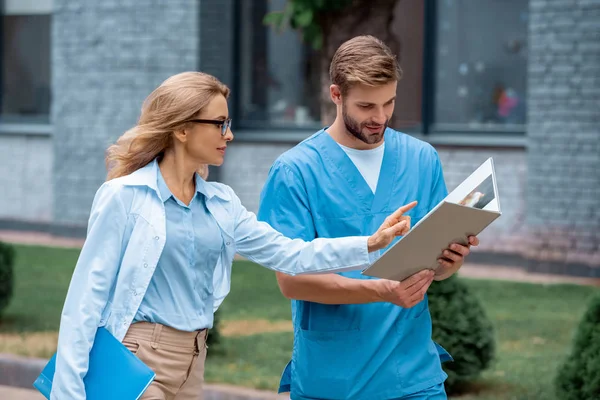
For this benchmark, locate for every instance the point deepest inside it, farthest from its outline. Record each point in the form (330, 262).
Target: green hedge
(214, 339)
(462, 327)
(7, 258)
(579, 376)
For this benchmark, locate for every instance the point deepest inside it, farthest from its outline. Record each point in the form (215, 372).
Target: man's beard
(355, 129)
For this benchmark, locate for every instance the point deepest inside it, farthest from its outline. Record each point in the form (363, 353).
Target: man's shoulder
(303, 154)
(412, 143)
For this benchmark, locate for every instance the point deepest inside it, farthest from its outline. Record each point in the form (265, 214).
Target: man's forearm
(329, 289)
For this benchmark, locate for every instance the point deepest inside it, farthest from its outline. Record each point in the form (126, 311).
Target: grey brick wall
(247, 166)
(26, 178)
(107, 56)
(563, 163)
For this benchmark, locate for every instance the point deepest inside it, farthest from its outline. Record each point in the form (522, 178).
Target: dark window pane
(279, 84)
(25, 62)
(481, 68)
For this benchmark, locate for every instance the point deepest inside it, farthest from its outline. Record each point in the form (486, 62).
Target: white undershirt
(368, 163)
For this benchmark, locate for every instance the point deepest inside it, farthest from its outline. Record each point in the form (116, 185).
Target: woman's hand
(394, 225)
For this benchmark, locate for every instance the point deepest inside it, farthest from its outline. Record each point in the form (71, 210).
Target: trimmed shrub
(214, 339)
(579, 376)
(461, 326)
(7, 258)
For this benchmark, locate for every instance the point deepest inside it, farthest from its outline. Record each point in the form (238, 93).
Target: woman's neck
(179, 175)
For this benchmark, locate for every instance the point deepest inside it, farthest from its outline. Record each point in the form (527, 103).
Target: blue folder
(114, 372)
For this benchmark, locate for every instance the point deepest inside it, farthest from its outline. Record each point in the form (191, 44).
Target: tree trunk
(362, 17)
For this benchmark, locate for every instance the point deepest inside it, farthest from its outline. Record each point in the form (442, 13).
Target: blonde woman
(157, 260)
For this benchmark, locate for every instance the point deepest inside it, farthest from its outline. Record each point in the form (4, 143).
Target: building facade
(516, 80)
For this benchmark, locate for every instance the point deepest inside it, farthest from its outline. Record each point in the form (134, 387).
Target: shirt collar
(163, 189)
(148, 176)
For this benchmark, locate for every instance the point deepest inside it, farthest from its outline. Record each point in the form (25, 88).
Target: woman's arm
(260, 243)
(88, 292)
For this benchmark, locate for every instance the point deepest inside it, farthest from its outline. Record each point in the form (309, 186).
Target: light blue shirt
(127, 232)
(180, 294)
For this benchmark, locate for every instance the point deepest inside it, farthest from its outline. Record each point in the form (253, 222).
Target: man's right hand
(407, 293)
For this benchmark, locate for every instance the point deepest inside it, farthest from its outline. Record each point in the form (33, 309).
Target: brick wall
(563, 193)
(107, 56)
(26, 178)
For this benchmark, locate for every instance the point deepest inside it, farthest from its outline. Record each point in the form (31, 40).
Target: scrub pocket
(321, 358)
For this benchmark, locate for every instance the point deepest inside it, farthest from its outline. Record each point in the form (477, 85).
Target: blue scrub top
(357, 351)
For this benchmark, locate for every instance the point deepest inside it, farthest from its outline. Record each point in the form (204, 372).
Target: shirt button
(228, 243)
(145, 265)
(135, 293)
(156, 238)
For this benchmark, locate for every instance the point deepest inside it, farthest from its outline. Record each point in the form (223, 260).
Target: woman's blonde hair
(166, 109)
(363, 60)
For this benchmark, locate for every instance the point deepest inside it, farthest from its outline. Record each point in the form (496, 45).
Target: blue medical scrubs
(375, 351)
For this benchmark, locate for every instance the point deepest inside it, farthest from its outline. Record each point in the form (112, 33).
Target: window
(464, 68)
(278, 73)
(481, 65)
(25, 83)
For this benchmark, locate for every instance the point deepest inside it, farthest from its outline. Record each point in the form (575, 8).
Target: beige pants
(175, 356)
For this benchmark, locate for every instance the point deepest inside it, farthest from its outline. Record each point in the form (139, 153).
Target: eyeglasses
(225, 124)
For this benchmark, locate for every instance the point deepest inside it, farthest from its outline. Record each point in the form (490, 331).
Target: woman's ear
(181, 135)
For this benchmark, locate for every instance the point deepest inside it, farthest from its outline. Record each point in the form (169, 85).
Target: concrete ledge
(517, 274)
(451, 139)
(26, 129)
(570, 269)
(63, 231)
(21, 372)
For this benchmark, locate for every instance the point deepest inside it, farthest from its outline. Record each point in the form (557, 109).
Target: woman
(157, 260)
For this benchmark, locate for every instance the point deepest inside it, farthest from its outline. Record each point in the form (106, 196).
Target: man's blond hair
(363, 60)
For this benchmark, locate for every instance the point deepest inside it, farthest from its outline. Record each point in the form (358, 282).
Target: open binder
(466, 211)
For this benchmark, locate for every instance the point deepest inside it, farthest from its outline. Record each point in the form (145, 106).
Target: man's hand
(453, 257)
(394, 225)
(407, 293)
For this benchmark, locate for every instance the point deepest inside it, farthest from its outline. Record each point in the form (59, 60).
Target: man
(357, 337)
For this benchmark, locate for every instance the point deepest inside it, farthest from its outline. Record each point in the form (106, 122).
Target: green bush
(579, 376)
(461, 326)
(213, 341)
(7, 257)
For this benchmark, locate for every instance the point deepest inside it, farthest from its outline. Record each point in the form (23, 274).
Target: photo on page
(481, 196)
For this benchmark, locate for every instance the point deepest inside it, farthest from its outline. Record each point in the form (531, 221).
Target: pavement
(211, 392)
(14, 393)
